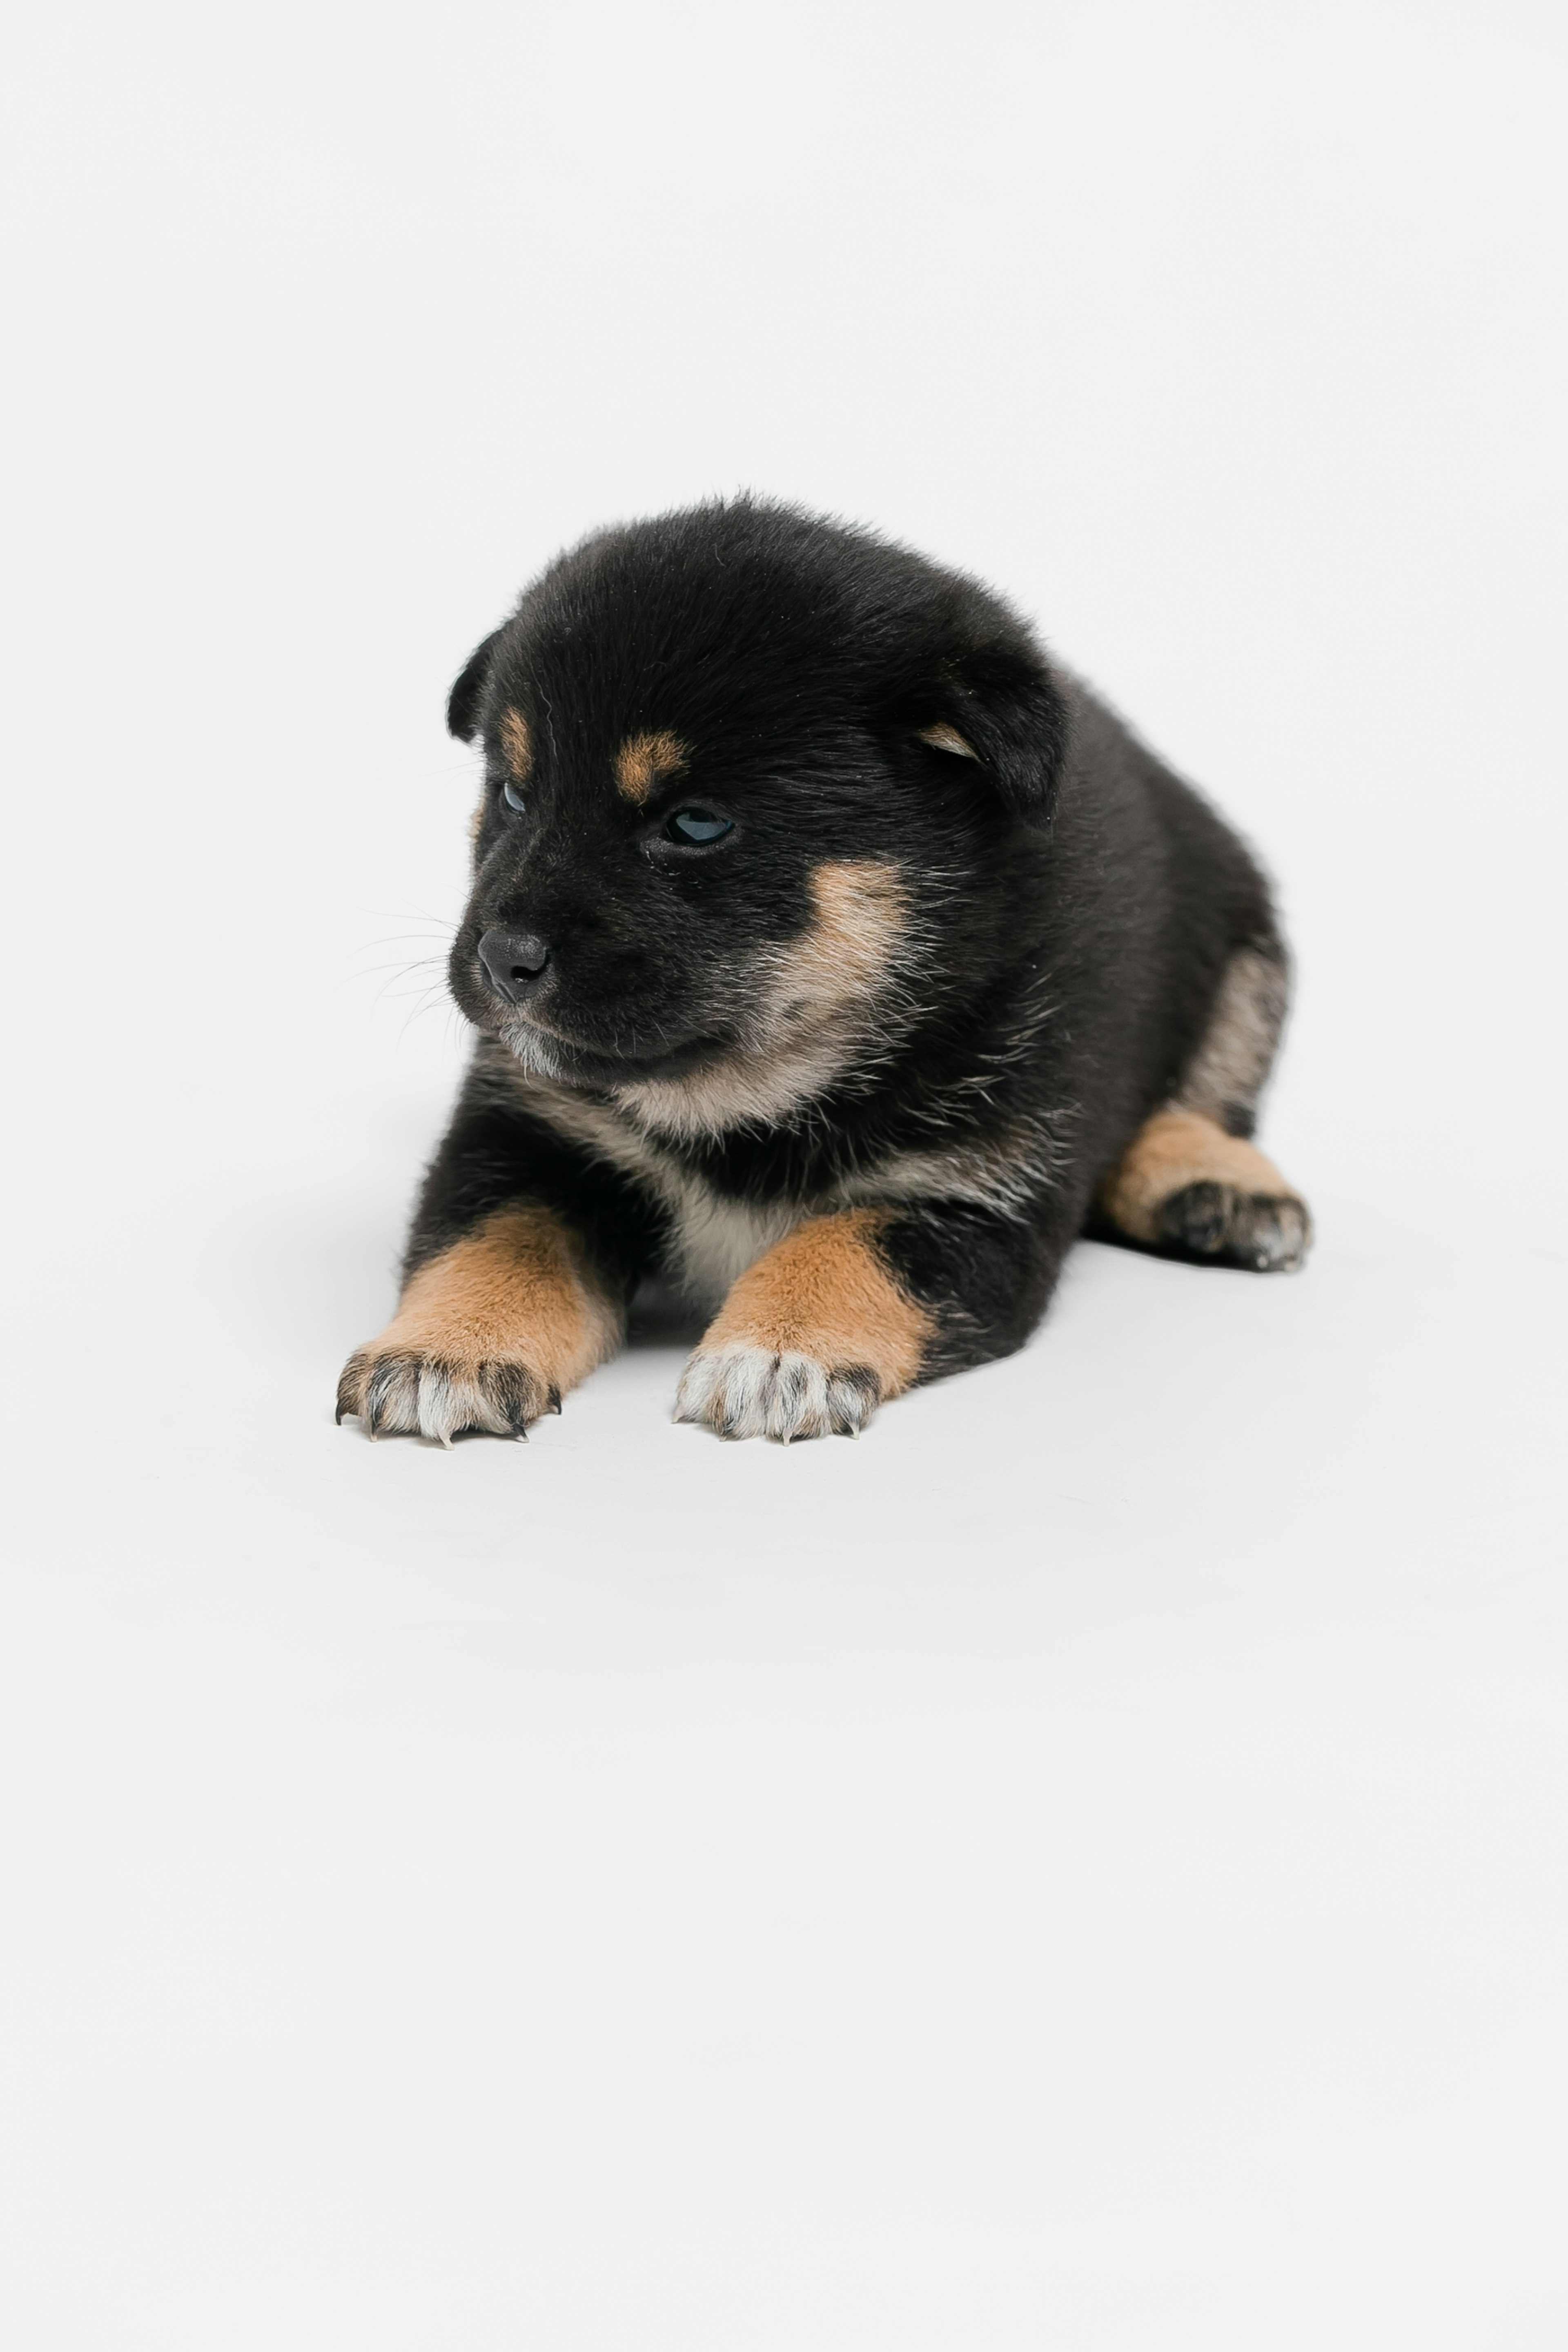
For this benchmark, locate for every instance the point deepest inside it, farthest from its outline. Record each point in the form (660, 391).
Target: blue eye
(512, 798)
(698, 826)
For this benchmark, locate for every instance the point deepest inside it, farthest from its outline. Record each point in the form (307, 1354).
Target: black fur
(1068, 910)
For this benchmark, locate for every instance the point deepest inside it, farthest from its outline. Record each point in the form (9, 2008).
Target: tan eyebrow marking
(943, 737)
(517, 743)
(643, 760)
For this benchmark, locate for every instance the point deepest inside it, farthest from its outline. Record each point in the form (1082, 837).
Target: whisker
(427, 1002)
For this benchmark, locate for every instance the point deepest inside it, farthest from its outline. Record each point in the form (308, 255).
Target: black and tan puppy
(833, 951)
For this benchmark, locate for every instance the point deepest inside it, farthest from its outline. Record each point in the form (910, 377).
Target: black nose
(515, 962)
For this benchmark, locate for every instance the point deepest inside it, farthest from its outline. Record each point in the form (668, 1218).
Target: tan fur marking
(943, 737)
(823, 1292)
(514, 1290)
(1228, 1070)
(517, 743)
(644, 761)
(819, 1004)
(859, 915)
(1170, 1152)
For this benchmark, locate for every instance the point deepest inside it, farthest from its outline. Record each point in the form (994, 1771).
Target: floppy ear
(463, 702)
(1002, 709)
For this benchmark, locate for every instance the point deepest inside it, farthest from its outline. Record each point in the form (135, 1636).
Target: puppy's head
(746, 776)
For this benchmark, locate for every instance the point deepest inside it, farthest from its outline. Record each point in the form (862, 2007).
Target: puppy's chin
(547, 1054)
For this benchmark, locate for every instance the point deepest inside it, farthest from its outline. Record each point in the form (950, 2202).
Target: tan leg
(488, 1336)
(1183, 1182)
(810, 1339)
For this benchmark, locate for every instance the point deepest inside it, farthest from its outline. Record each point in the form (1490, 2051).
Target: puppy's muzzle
(515, 962)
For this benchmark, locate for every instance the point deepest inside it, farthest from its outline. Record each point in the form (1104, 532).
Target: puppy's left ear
(1002, 709)
(463, 702)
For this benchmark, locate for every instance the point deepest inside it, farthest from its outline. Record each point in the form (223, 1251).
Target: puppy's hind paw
(747, 1392)
(1269, 1232)
(1185, 1184)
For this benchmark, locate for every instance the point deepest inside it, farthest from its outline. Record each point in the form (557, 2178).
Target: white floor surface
(1084, 1864)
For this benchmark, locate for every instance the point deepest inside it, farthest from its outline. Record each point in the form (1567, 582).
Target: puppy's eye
(698, 826)
(512, 798)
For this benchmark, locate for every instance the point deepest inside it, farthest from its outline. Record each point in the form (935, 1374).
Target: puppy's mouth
(593, 1048)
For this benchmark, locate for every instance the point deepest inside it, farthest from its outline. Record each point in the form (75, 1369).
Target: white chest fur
(712, 1239)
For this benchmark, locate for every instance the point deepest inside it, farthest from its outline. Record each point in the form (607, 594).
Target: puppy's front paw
(749, 1391)
(404, 1391)
(810, 1340)
(488, 1336)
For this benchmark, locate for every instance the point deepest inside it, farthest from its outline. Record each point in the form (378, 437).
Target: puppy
(833, 952)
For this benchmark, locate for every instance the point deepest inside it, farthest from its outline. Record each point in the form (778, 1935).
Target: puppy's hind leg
(1191, 1179)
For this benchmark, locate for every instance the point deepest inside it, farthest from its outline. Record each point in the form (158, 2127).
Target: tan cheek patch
(823, 1292)
(644, 761)
(514, 1290)
(818, 999)
(1171, 1151)
(859, 920)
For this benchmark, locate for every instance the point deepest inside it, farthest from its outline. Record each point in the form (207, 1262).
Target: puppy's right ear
(1004, 710)
(463, 702)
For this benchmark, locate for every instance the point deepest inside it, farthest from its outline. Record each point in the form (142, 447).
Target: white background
(1086, 1866)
